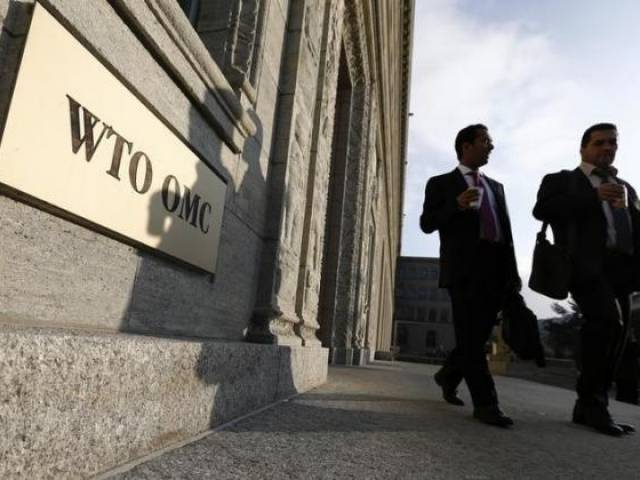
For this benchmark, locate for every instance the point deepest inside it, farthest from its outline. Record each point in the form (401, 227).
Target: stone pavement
(387, 421)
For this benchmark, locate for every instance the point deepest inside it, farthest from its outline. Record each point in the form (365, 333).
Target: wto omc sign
(79, 142)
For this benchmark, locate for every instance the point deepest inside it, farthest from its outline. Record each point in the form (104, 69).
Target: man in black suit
(477, 266)
(594, 215)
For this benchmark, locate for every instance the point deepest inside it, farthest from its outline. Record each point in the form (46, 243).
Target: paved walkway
(387, 421)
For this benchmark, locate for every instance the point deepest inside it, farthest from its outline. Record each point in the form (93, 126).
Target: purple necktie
(488, 229)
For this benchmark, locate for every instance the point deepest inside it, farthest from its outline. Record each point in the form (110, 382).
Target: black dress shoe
(626, 428)
(597, 417)
(492, 415)
(452, 398)
(450, 394)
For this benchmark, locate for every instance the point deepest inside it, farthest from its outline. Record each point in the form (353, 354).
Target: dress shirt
(487, 192)
(596, 181)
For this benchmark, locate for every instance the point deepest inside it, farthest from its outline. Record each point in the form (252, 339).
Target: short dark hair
(586, 136)
(467, 135)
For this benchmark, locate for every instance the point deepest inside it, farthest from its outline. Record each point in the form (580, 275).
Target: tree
(563, 331)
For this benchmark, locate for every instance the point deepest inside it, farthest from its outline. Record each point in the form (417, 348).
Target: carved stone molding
(365, 263)
(355, 44)
(233, 31)
(242, 41)
(270, 325)
(222, 109)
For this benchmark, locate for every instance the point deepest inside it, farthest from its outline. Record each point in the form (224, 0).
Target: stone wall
(74, 404)
(113, 351)
(270, 135)
(59, 274)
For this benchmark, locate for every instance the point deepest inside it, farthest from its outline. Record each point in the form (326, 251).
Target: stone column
(309, 279)
(367, 235)
(275, 314)
(348, 278)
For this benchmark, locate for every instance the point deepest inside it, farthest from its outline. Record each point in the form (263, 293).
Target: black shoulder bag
(551, 267)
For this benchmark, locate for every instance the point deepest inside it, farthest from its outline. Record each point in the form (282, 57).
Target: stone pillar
(335, 202)
(308, 295)
(367, 236)
(351, 233)
(275, 314)
(385, 334)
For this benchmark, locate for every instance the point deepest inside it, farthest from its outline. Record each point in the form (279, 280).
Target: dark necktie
(488, 228)
(624, 239)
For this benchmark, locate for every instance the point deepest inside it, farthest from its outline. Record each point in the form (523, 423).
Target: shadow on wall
(242, 385)
(12, 38)
(172, 299)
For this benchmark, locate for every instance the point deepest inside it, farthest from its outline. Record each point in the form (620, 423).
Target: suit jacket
(560, 207)
(460, 229)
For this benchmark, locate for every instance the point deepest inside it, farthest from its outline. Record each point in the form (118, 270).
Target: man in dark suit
(477, 266)
(594, 215)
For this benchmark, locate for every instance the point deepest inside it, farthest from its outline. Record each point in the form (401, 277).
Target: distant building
(423, 320)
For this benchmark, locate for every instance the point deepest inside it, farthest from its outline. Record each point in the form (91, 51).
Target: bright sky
(537, 73)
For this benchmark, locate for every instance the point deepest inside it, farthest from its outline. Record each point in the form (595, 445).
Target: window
(431, 339)
(444, 316)
(402, 334)
(433, 315)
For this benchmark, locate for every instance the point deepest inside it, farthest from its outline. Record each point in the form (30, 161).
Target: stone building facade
(423, 321)
(112, 345)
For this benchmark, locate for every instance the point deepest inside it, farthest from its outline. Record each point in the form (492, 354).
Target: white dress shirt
(596, 181)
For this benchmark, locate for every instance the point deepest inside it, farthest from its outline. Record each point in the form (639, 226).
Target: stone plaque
(79, 142)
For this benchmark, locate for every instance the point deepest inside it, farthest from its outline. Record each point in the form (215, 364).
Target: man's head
(599, 145)
(473, 146)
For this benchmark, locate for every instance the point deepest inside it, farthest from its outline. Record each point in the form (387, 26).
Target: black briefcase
(520, 330)
(551, 268)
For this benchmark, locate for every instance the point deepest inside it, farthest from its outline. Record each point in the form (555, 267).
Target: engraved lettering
(203, 210)
(133, 172)
(114, 171)
(89, 122)
(171, 207)
(189, 207)
(177, 199)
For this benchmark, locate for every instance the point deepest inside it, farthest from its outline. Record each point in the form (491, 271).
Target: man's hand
(610, 192)
(466, 198)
